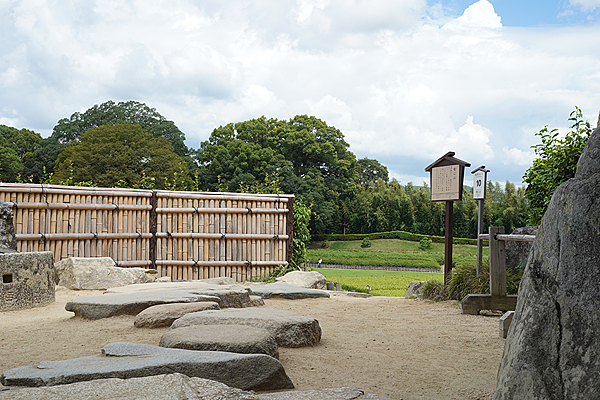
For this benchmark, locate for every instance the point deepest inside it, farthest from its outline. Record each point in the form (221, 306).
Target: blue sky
(406, 81)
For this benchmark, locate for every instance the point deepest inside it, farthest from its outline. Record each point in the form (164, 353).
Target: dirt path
(402, 349)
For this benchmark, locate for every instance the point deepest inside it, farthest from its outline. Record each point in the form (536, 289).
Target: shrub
(464, 280)
(425, 243)
(432, 290)
(366, 242)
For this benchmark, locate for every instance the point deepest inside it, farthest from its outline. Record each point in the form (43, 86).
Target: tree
(110, 153)
(10, 165)
(111, 113)
(555, 163)
(369, 171)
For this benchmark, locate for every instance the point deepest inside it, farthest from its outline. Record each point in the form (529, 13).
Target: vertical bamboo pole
(222, 242)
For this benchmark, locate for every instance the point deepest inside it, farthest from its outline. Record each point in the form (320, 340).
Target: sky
(406, 81)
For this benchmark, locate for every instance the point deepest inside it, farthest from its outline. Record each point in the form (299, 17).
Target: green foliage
(278, 272)
(350, 257)
(555, 163)
(111, 153)
(425, 243)
(302, 213)
(366, 242)
(432, 290)
(10, 165)
(464, 280)
(414, 237)
(370, 171)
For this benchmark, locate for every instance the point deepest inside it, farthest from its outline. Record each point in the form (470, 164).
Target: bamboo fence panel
(184, 235)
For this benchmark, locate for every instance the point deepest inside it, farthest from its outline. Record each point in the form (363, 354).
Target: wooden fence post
(152, 225)
(290, 230)
(497, 262)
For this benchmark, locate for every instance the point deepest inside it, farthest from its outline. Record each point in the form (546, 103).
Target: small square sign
(479, 185)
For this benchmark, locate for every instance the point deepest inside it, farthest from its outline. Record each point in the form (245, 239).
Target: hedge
(413, 237)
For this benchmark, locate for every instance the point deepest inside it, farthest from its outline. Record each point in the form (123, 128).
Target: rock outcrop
(99, 273)
(552, 349)
(26, 280)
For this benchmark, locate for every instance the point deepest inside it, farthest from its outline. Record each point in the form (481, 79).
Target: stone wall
(26, 280)
(8, 239)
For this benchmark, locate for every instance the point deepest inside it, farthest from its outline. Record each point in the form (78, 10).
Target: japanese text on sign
(479, 185)
(445, 183)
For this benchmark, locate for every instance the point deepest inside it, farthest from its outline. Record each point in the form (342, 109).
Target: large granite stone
(112, 304)
(8, 240)
(26, 280)
(232, 338)
(287, 291)
(158, 387)
(99, 273)
(552, 349)
(289, 328)
(310, 280)
(165, 314)
(131, 360)
(517, 253)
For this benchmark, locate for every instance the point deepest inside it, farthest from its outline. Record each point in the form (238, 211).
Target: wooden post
(153, 222)
(479, 241)
(497, 261)
(448, 241)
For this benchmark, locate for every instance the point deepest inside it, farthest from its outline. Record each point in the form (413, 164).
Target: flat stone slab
(289, 328)
(158, 387)
(112, 304)
(232, 338)
(132, 360)
(344, 393)
(287, 291)
(165, 314)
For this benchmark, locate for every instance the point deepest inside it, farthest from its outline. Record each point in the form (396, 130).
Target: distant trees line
(129, 144)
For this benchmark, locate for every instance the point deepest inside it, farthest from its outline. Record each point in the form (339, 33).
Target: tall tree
(110, 153)
(111, 113)
(369, 171)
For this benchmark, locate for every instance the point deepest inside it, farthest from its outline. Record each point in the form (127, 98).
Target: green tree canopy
(555, 163)
(111, 113)
(110, 153)
(369, 171)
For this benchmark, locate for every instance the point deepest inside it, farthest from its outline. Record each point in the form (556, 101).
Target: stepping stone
(132, 360)
(164, 314)
(157, 387)
(287, 291)
(344, 393)
(290, 329)
(112, 304)
(232, 338)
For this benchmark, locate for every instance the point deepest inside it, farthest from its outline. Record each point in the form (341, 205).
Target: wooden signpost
(447, 176)
(479, 189)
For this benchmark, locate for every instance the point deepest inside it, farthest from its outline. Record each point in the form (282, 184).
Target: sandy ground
(398, 348)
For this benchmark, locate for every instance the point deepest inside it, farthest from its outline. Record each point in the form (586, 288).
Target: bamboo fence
(184, 235)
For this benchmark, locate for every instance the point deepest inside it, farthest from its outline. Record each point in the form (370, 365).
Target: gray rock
(132, 360)
(413, 289)
(158, 387)
(230, 295)
(112, 304)
(345, 393)
(287, 291)
(310, 280)
(232, 338)
(8, 240)
(290, 329)
(26, 280)
(99, 273)
(255, 301)
(517, 253)
(552, 349)
(165, 314)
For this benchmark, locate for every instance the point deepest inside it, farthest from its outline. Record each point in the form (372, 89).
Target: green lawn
(389, 252)
(382, 283)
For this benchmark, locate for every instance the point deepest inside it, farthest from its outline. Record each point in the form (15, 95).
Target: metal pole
(448, 241)
(479, 241)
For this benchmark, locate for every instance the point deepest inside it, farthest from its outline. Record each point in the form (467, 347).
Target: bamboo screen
(184, 235)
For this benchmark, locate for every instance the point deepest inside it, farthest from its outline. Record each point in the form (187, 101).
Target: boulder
(290, 329)
(552, 349)
(26, 280)
(310, 280)
(517, 253)
(164, 314)
(132, 360)
(287, 291)
(232, 338)
(8, 240)
(99, 273)
(157, 387)
(413, 289)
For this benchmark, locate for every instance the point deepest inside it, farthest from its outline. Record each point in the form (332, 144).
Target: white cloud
(586, 5)
(517, 156)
